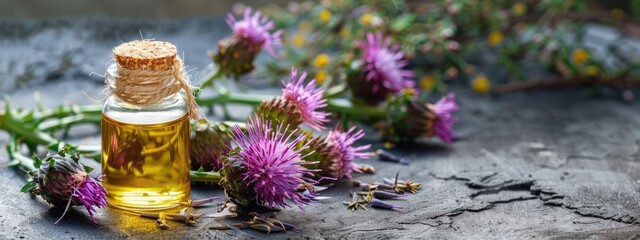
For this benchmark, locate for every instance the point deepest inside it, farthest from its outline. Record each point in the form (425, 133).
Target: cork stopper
(145, 55)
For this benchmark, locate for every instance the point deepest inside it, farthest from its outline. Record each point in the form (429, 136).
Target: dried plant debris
(389, 157)
(356, 202)
(201, 202)
(389, 189)
(266, 223)
(185, 216)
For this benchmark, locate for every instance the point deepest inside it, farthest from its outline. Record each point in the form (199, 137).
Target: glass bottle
(145, 147)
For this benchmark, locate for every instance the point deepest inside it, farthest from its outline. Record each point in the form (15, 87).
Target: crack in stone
(546, 195)
(508, 185)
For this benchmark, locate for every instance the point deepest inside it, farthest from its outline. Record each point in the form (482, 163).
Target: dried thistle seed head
(280, 110)
(62, 181)
(209, 142)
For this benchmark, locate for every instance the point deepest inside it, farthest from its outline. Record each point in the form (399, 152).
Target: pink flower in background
(255, 29)
(384, 65)
(443, 124)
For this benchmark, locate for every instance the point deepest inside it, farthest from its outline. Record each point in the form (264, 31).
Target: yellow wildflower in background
(325, 16)
(495, 38)
(298, 39)
(593, 70)
(345, 32)
(427, 82)
(321, 60)
(320, 77)
(617, 13)
(519, 9)
(580, 56)
(305, 26)
(365, 19)
(480, 84)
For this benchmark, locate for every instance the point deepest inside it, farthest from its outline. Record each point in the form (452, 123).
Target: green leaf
(88, 169)
(13, 163)
(37, 162)
(28, 187)
(401, 23)
(52, 163)
(75, 157)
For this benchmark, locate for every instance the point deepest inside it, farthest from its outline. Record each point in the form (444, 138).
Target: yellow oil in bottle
(146, 166)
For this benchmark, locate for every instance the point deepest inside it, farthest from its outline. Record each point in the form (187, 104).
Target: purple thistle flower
(342, 143)
(411, 117)
(383, 65)
(63, 182)
(443, 124)
(272, 162)
(91, 195)
(255, 30)
(308, 98)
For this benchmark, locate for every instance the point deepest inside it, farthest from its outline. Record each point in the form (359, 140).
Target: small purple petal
(382, 204)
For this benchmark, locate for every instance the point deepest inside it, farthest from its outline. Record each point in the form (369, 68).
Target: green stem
(333, 105)
(33, 136)
(238, 98)
(25, 162)
(68, 111)
(359, 112)
(208, 177)
(53, 125)
(208, 80)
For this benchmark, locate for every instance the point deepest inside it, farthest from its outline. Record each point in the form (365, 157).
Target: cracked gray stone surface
(528, 165)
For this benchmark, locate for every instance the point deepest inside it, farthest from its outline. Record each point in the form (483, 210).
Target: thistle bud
(280, 110)
(234, 57)
(209, 142)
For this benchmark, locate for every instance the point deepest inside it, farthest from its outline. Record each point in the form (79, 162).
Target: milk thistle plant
(276, 158)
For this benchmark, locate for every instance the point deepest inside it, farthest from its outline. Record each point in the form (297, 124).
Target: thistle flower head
(307, 98)
(411, 117)
(333, 154)
(209, 143)
(383, 67)
(443, 124)
(255, 29)
(63, 182)
(269, 163)
(343, 142)
(237, 52)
